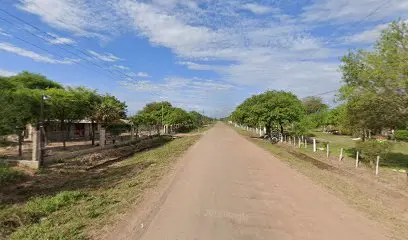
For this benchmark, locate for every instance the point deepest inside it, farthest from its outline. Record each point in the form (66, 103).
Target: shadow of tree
(395, 160)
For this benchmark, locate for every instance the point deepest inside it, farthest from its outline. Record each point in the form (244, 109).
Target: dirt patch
(375, 198)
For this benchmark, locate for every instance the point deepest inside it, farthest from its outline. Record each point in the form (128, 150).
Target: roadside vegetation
(86, 202)
(71, 197)
(9, 175)
(372, 105)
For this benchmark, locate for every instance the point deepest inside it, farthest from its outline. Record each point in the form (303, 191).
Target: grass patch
(74, 214)
(397, 158)
(355, 193)
(9, 175)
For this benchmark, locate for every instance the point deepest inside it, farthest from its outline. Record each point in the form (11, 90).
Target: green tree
(314, 105)
(109, 110)
(376, 82)
(269, 109)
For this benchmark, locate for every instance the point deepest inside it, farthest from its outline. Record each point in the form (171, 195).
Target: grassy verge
(72, 214)
(397, 159)
(375, 205)
(9, 175)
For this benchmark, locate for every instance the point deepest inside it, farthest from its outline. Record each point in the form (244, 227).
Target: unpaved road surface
(231, 189)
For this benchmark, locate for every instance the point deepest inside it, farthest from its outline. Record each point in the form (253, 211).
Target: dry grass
(373, 200)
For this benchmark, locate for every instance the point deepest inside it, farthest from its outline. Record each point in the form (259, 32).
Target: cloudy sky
(204, 55)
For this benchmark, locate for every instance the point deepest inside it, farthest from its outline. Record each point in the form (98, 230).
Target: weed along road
(231, 189)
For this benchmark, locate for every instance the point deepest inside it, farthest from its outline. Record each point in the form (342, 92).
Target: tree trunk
(93, 132)
(69, 126)
(20, 143)
(281, 127)
(63, 133)
(137, 132)
(268, 129)
(158, 129)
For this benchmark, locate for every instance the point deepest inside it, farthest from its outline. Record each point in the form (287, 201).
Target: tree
(268, 109)
(177, 116)
(376, 83)
(109, 110)
(34, 81)
(156, 113)
(314, 105)
(20, 96)
(60, 104)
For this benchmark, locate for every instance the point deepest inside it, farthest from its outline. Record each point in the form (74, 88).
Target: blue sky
(203, 55)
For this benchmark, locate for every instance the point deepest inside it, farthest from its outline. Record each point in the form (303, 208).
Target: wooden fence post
(341, 154)
(328, 151)
(357, 159)
(377, 166)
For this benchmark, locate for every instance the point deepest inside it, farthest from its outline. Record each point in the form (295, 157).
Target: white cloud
(7, 47)
(368, 36)
(106, 57)
(121, 67)
(194, 89)
(55, 39)
(3, 33)
(5, 73)
(197, 66)
(343, 11)
(138, 74)
(81, 17)
(256, 8)
(142, 74)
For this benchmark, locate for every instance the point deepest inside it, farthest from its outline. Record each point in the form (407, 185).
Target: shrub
(373, 148)
(401, 135)
(8, 175)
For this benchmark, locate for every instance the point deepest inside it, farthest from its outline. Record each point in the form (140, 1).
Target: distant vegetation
(374, 96)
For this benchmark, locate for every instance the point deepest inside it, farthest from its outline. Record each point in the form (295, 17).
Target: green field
(398, 158)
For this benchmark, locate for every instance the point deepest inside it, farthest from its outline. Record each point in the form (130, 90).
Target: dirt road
(231, 189)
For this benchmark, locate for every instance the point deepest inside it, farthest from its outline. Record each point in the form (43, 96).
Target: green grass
(398, 158)
(8, 175)
(73, 214)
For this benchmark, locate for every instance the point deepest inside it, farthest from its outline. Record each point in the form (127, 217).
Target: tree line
(23, 95)
(158, 114)
(373, 98)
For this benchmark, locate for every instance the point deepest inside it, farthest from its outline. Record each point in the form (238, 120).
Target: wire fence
(344, 159)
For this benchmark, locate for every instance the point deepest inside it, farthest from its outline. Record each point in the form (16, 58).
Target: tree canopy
(376, 82)
(269, 109)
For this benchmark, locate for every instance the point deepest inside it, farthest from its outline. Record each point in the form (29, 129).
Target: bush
(401, 135)
(373, 148)
(8, 175)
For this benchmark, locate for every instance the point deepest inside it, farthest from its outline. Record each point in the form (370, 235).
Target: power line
(49, 52)
(66, 44)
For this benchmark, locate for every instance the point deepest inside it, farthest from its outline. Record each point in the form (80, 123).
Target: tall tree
(269, 109)
(376, 82)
